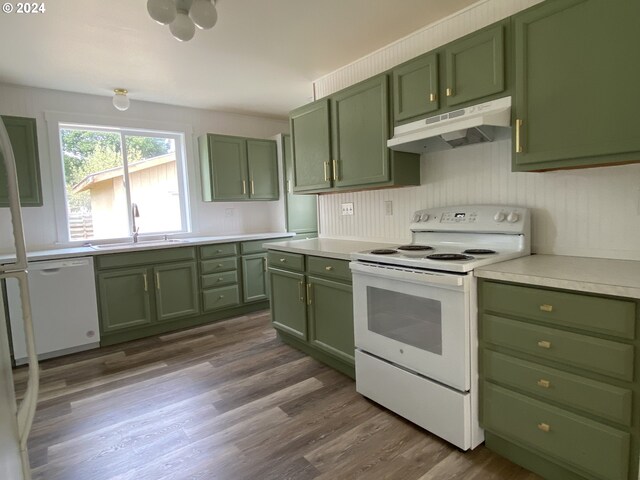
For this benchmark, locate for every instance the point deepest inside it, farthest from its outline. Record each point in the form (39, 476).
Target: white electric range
(415, 315)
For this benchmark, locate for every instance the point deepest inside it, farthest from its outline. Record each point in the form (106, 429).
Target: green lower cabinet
(255, 280)
(331, 317)
(176, 290)
(288, 302)
(125, 300)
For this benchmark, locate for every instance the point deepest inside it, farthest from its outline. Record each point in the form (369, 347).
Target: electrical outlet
(388, 207)
(347, 208)
(228, 212)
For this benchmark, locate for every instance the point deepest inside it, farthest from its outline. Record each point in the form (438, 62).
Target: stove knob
(513, 217)
(424, 217)
(416, 218)
(499, 217)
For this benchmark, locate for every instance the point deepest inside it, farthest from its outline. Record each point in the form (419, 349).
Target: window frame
(179, 133)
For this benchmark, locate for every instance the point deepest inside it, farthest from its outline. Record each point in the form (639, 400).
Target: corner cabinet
(312, 306)
(559, 380)
(24, 142)
(238, 168)
(340, 143)
(576, 85)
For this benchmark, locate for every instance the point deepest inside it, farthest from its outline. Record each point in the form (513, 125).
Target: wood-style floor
(227, 401)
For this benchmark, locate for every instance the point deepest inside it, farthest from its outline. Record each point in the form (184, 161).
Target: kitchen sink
(140, 244)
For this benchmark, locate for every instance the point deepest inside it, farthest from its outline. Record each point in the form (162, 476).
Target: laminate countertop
(594, 275)
(326, 247)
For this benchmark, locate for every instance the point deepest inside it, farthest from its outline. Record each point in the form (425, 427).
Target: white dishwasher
(64, 308)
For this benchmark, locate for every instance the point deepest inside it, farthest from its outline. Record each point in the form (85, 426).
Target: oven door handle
(423, 277)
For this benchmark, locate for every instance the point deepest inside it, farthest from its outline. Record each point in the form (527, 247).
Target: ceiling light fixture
(183, 16)
(120, 99)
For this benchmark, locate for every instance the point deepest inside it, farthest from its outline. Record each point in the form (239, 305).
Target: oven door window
(411, 320)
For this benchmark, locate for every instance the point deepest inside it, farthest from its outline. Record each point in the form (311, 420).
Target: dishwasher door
(64, 308)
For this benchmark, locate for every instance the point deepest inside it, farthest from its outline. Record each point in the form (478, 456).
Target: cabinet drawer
(586, 445)
(601, 399)
(255, 246)
(220, 297)
(218, 250)
(219, 265)
(290, 261)
(218, 279)
(329, 267)
(597, 314)
(593, 354)
(145, 257)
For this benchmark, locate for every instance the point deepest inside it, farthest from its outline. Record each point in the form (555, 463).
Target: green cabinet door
(576, 84)
(301, 210)
(124, 299)
(475, 66)
(331, 317)
(311, 147)
(227, 159)
(288, 302)
(24, 142)
(255, 280)
(415, 88)
(360, 130)
(262, 160)
(176, 290)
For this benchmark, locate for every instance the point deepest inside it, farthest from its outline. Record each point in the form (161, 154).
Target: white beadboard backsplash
(588, 212)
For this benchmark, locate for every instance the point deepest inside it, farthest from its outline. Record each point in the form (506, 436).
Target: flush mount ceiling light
(183, 16)
(120, 99)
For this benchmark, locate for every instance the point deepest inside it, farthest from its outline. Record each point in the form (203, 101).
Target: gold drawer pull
(301, 291)
(221, 296)
(432, 97)
(329, 268)
(449, 92)
(546, 308)
(220, 279)
(283, 260)
(544, 344)
(544, 427)
(544, 383)
(218, 251)
(220, 265)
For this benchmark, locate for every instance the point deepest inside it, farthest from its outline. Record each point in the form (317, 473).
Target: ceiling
(260, 58)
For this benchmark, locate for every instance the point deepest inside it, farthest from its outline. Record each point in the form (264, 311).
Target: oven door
(419, 320)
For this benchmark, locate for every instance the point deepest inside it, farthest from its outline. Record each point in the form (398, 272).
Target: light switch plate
(347, 208)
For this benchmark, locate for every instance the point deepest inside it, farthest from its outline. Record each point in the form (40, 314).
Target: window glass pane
(96, 198)
(154, 185)
(411, 320)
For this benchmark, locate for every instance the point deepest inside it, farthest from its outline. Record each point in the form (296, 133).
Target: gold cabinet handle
(308, 293)
(146, 283)
(253, 190)
(518, 141)
(244, 187)
(432, 97)
(283, 260)
(264, 264)
(449, 92)
(326, 168)
(329, 268)
(158, 280)
(546, 308)
(543, 383)
(288, 186)
(544, 344)
(301, 291)
(544, 427)
(219, 265)
(335, 170)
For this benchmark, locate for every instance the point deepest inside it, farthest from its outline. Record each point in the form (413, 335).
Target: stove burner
(384, 251)
(415, 248)
(479, 251)
(449, 256)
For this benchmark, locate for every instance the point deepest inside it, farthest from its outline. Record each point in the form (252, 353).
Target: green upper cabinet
(24, 141)
(475, 66)
(576, 84)
(340, 144)
(238, 168)
(311, 147)
(360, 129)
(176, 290)
(301, 210)
(415, 88)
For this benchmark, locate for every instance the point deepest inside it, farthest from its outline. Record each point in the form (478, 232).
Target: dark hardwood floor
(227, 401)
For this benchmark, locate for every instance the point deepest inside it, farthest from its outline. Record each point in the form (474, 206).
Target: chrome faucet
(135, 213)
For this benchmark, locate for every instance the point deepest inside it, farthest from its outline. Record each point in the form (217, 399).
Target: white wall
(207, 218)
(587, 212)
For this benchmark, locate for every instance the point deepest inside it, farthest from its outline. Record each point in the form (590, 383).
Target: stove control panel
(459, 217)
(473, 219)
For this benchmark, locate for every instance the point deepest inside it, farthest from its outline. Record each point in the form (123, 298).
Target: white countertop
(327, 247)
(71, 252)
(593, 275)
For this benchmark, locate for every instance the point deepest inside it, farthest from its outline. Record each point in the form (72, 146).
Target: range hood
(475, 124)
